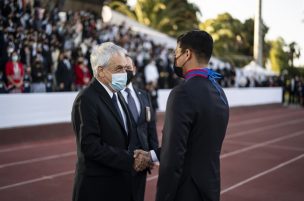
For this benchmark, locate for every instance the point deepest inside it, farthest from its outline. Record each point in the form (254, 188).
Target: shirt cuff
(153, 156)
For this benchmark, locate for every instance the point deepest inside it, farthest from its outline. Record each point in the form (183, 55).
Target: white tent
(253, 69)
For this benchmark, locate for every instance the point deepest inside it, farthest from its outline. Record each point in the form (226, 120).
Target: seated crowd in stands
(44, 51)
(47, 50)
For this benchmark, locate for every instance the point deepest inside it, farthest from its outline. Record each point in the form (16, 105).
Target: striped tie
(132, 105)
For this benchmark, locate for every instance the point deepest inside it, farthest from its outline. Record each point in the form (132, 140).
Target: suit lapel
(104, 96)
(126, 110)
(142, 118)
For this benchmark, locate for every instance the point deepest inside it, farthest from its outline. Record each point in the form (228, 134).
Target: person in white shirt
(151, 72)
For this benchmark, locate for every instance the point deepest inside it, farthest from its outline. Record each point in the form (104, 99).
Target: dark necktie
(132, 105)
(114, 100)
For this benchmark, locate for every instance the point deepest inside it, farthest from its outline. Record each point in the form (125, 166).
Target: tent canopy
(253, 69)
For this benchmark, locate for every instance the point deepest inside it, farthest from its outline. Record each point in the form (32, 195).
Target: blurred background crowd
(45, 50)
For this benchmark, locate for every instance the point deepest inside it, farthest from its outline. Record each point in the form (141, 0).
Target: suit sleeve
(178, 123)
(91, 143)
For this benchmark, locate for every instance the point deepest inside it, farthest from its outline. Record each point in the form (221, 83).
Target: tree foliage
(171, 17)
(233, 40)
(278, 56)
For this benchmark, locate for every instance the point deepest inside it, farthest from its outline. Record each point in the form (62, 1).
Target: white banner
(48, 108)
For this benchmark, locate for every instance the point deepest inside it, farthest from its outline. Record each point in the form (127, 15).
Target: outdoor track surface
(262, 158)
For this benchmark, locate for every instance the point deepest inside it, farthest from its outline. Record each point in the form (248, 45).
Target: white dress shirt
(134, 95)
(137, 103)
(119, 105)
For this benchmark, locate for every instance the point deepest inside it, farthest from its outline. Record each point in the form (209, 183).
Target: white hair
(101, 55)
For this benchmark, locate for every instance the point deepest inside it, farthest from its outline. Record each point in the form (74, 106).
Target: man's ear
(188, 53)
(101, 72)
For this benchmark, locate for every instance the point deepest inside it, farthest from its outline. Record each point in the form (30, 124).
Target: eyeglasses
(119, 68)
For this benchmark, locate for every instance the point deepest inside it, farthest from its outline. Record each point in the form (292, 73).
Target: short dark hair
(200, 42)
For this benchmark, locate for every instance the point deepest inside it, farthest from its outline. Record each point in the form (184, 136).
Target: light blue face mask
(15, 58)
(119, 81)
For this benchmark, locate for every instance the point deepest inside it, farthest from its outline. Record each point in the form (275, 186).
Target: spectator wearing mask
(15, 73)
(151, 72)
(38, 77)
(64, 73)
(82, 74)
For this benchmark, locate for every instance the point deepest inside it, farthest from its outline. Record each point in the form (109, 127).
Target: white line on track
(223, 156)
(262, 144)
(22, 147)
(263, 128)
(38, 179)
(246, 122)
(263, 119)
(53, 176)
(286, 148)
(156, 176)
(254, 146)
(270, 146)
(262, 174)
(34, 160)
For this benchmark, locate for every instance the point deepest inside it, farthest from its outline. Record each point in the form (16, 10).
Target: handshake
(142, 160)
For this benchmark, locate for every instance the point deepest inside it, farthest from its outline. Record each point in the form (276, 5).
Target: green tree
(293, 53)
(171, 17)
(278, 56)
(226, 33)
(233, 40)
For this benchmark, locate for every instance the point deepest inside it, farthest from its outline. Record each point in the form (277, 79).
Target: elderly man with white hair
(101, 124)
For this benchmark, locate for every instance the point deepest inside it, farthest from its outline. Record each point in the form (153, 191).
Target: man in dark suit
(143, 119)
(196, 119)
(103, 131)
(64, 73)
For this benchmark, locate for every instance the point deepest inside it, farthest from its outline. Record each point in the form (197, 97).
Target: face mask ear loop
(109, 84)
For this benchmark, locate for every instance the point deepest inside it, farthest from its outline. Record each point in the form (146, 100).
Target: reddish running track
(262, 158)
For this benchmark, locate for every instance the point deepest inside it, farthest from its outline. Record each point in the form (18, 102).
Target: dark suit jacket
(144, 138)
(104, 163)
(65, 75)
(146, 126)
(195, 125)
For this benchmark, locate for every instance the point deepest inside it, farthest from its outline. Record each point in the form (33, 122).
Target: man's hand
(142, 160)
